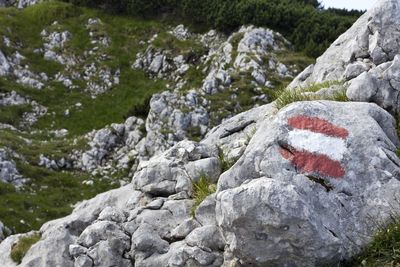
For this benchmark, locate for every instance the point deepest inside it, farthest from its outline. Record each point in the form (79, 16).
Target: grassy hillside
(49, 194)
(309, 27)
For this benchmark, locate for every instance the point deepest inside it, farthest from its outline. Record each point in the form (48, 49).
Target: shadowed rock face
(366, 56)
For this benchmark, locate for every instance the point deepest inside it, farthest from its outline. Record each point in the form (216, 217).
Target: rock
(102, 230)
(5, 67)
(172, 119)
(112, 214)
(354, 70)
(77, 250)
(4, 231)
(114, 143)
(379, 85)
(370, 45)
(209, 168)
(8, 170)
(26, 3)
(205, 212)
(180, 32)
(275, 204)
(181, 231)
(233, 143)
(147, 241)
(206, 237)
(83, 261)
(12, 99)
(257, 40)
(109, 253)
(58, 235)
(167, 174)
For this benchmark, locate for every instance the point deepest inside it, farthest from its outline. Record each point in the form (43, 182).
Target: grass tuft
(19, 250)
(202, 189)
(225, 162)
(286, 97)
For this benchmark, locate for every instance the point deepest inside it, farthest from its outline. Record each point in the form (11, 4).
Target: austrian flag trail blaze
(316, 146)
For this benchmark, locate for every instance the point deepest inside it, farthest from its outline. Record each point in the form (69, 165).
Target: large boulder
(366, 56)
(312, 186)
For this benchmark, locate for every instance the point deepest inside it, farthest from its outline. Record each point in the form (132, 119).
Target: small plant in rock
(202, 189)
(225, 162)
(287, 97)
(19, 250)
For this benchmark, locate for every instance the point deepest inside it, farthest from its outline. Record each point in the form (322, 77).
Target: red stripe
(313, 163)
(318, 125)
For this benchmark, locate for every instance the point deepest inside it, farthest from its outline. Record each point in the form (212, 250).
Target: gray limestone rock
(312, 159)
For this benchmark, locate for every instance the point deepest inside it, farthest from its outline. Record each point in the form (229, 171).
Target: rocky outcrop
(4, 231)
(249, 54)
(366, 56)
(254, 54)
(111, 149)
(306, 190)
(5, 67)
(172, 118)
(18, 3)
(310, 188)
(8, 170)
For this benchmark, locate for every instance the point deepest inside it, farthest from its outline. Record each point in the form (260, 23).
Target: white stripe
(305, 140)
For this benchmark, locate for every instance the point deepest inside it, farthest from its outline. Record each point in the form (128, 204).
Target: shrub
(19, 250)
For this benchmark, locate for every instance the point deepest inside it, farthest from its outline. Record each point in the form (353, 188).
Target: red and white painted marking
(316, 146)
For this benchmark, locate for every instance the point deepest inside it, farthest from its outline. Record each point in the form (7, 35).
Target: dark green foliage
(141, 110)
(304, 22)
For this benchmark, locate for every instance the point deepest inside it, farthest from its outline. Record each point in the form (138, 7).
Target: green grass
(19, 250)
(13, 114)
(47, 196)
(384, 251)
(134, 89)
(295, 58)
(50, 194)
(225, 162)
(202, 189)
(286, 97)
(189, 48)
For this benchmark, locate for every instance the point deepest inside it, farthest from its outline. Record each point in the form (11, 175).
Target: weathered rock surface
(310, 188)
(5, 67)
(366, 56)
(111, 149)
(312, 185)
(8, 170)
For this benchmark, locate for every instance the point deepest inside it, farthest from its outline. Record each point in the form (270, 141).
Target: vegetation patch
(19, 249)
(202, 189)
(225, 162)
(383, 251)
(286, 97)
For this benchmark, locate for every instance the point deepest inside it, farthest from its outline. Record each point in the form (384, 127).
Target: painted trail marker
(316, 146)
